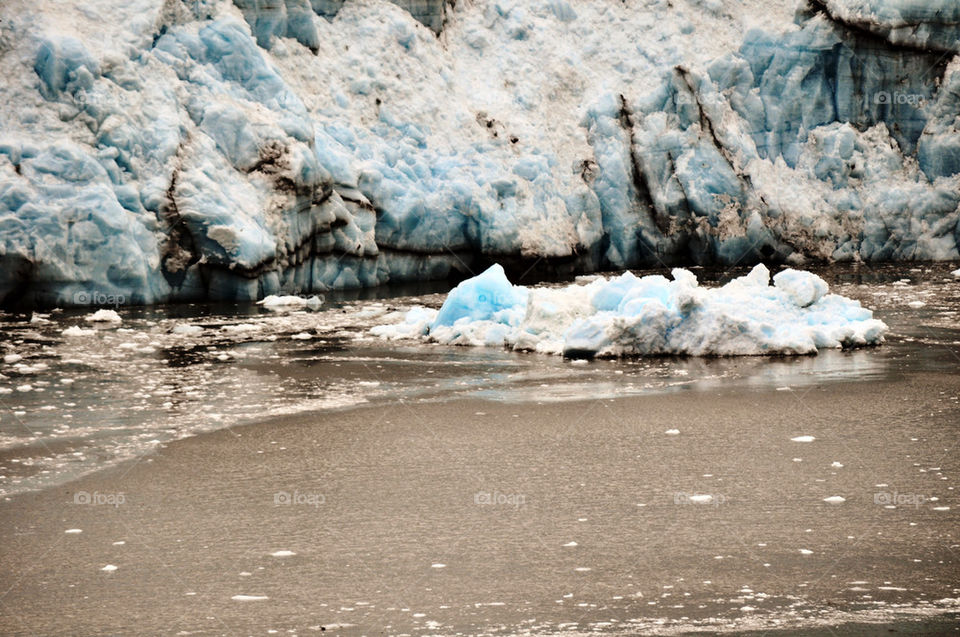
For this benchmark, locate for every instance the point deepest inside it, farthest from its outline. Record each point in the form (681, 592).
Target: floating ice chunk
(414, 323)
(956, 274)
(302, 336)
(282, 553)
(73, 531)
(76, 330)
(290, 302)
(835, 499)
(484, 297)
(631, 316)
(803, 439)
(571, 544)
(806, 552)
(109, 568)
(672, 432)
(12, 358)
(438, 565)
(249, 598)
(241, 328)
(917, 304)
(103, 316)
(803, 288)
(187, 330)
(836, 465)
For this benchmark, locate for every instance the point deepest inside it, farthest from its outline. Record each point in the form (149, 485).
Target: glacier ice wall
(160, 150)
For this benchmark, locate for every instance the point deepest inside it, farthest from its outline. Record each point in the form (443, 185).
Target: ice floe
(651, 315)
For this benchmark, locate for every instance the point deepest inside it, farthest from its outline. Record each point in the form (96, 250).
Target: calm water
(72, 404)
(513, 513)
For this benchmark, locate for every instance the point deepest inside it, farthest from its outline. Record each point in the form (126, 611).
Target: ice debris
(640, 316)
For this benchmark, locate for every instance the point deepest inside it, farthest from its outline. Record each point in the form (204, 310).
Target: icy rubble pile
(651, 315)
(161, 150)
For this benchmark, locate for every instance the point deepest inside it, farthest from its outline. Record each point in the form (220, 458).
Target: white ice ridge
(651, 315)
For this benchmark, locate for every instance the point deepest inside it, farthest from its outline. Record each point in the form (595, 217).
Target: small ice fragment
(941, 508)
(302, 336)
(438, 565)
(120, 543)
(916, 304)
(282, 553)
(835, 499)
(571, 544)
(109, 568)
(274, 302)
(836, 465)
(74, 531)
(701, 499)
(583, 569)
(76, 330)
(784, 388)
(103, 316)
(12, 358)
(187, 330)
(579, 361)
(249, 598)
(803, 439)
(806, 552)
(672, 432)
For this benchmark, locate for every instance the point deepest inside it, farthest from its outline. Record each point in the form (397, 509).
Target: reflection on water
(69, 404)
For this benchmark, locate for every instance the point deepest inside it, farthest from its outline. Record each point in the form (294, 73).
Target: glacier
(645, 316)
(178, 150)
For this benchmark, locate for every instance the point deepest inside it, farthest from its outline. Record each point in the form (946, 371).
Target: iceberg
(645, 316)
(171, 150)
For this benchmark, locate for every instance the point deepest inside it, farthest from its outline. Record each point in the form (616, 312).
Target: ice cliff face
(187, 149)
